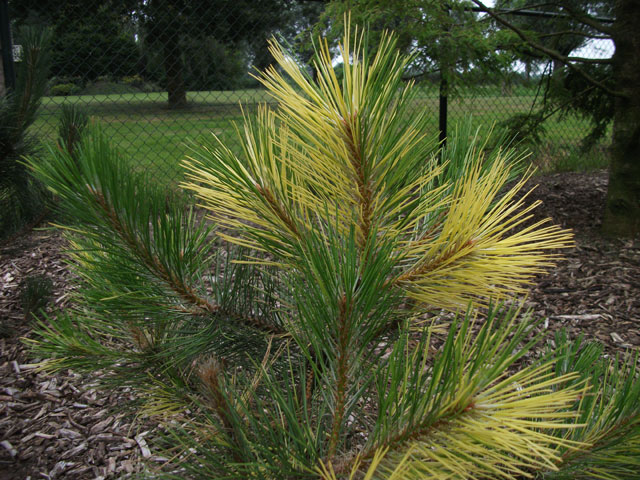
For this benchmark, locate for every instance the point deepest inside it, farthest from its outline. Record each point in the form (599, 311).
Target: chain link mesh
(160, 74)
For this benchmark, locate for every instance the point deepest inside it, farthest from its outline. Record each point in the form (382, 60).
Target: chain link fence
(160, 74)
(523, 102)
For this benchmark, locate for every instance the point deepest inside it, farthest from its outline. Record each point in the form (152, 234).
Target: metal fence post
(444, 89)
(7, 47)
(442, 111)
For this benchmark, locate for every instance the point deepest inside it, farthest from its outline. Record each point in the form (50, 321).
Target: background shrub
(64, 90)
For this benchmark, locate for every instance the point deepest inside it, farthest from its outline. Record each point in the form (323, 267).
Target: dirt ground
(62, 427)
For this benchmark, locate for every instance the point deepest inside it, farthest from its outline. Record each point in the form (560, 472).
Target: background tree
(604, 89)
(183, 45)
(238, 28)
(562, 89)
(555, 31)
(90, 39)
(447, 38)
(293, 26)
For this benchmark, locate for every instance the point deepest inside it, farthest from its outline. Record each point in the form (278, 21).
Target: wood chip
(7, 446)
(75, 451)
(100, 426)
(68, 433)
(616, 338)
(142, 443)
(59, 468)
(586, 316)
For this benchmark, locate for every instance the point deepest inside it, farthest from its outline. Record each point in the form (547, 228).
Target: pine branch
(101, 190)
(152, 262)
(365, 193)
(610, 412)
(554, 54)
(342, 362)
(466, 398)
(587, 19)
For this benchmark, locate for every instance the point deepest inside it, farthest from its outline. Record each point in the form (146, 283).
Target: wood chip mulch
(61, 427)
(55, 426)
(595, 289)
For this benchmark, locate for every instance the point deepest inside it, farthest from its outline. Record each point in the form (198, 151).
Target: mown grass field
(156, 138)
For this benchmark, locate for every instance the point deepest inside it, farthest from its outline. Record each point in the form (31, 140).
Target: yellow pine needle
(501, 433)
(160, 401)
(316, 161)
(327, 472)
(472, 257)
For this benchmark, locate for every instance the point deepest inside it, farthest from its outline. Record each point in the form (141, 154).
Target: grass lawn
(146, 131)
(156, 138)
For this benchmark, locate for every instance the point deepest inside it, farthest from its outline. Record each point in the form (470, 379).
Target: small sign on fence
(17, 53)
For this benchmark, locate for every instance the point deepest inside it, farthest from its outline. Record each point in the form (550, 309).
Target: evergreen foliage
(73, 121)
(35, 294)
(21, 198)
(293, 340)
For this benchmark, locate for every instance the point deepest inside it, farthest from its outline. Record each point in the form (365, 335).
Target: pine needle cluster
(21, 198)
(290, 340)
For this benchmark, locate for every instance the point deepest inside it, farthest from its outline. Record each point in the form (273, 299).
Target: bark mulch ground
(62, 427)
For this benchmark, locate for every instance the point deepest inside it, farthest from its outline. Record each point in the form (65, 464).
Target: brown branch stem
(574, 32)
(278, 210)
(341, 386)
(152, 262)
(365, 193)
(185, 292)
(547, 51)
(433, 264)
(210, 376)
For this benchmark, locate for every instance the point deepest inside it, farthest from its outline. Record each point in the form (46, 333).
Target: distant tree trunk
(2, 87)
(173, 71)
(262, 57)
(622, 213)
(163, 27)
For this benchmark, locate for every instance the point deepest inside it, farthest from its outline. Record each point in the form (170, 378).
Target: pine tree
(21, 198)
(295, 338)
